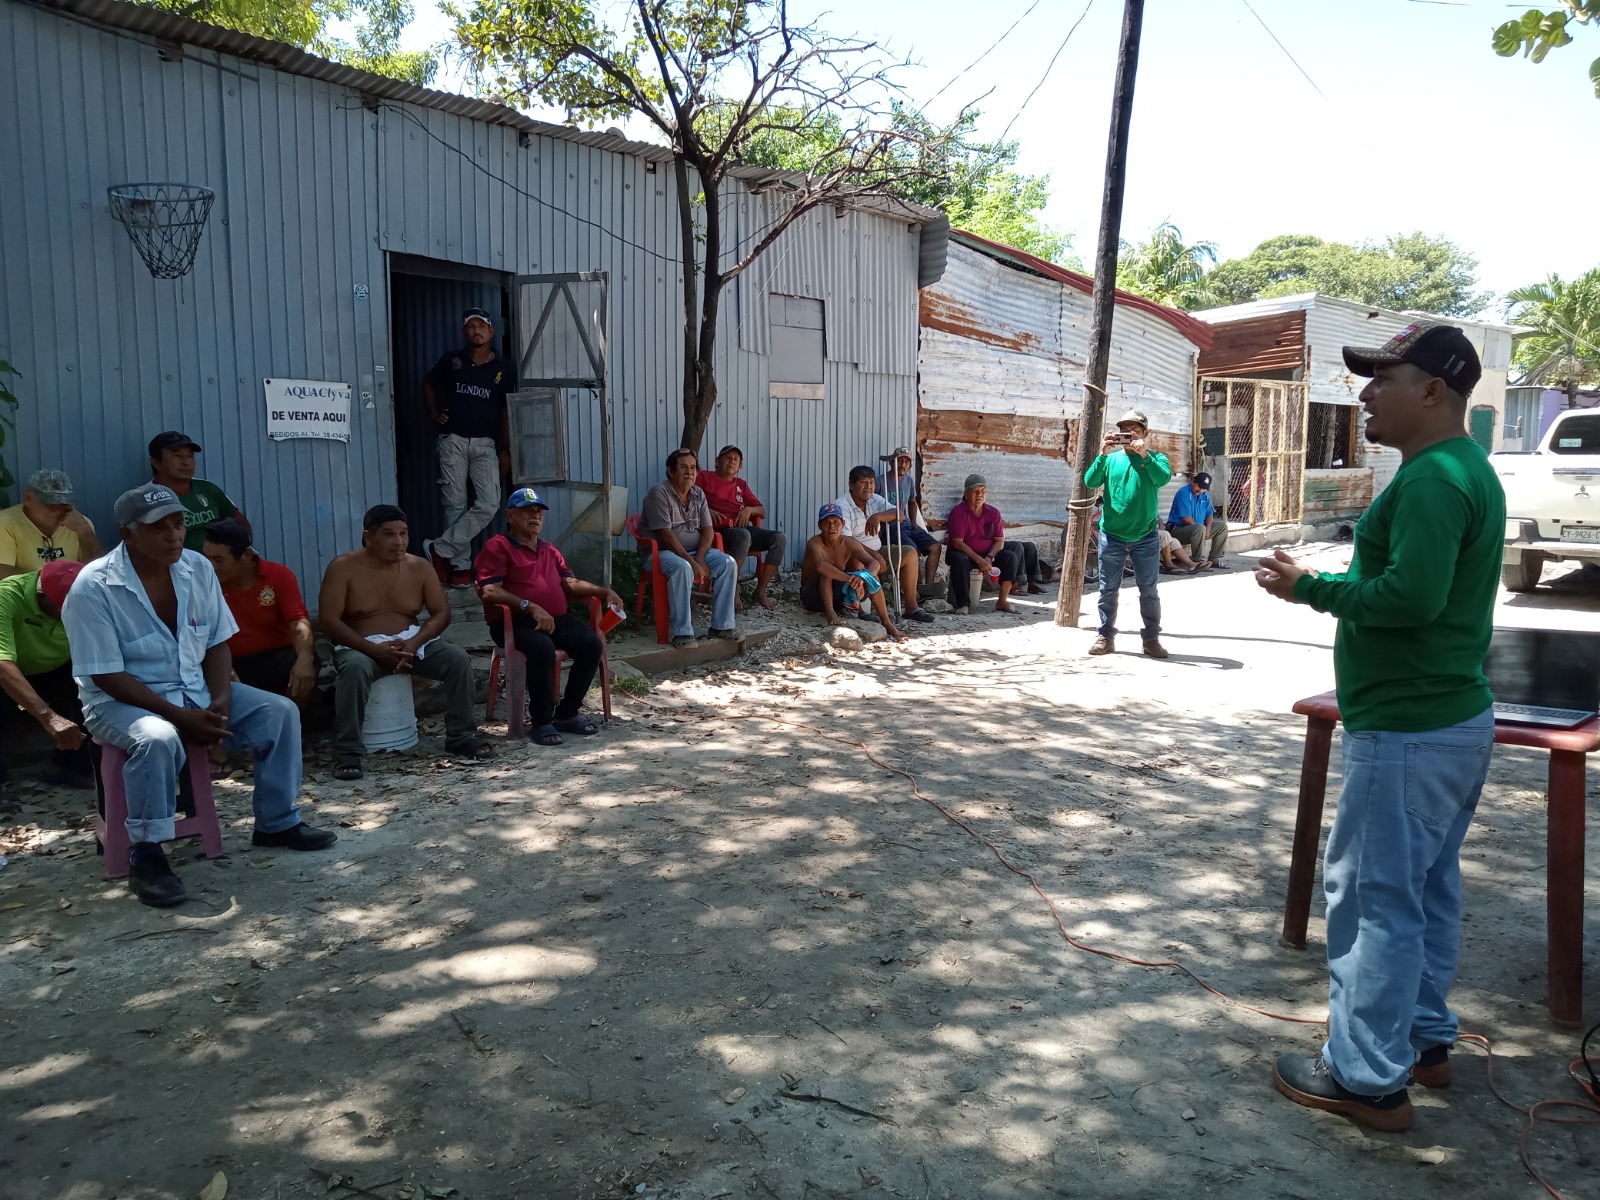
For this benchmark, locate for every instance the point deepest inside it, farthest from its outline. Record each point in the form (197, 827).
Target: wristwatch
(523, 606)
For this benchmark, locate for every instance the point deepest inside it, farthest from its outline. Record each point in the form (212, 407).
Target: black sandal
(545, 735)
(473, 748)
(349, 770)
(580, 725)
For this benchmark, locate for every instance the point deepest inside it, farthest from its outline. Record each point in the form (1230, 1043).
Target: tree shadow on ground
(719, 952)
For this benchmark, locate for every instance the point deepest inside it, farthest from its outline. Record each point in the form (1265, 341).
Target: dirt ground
(717, 952)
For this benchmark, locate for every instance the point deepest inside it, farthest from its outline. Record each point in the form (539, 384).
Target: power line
(1303, 72)
(1050, 67)
(993, 46)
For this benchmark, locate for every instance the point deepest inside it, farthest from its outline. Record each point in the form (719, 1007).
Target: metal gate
(1252, 433)
(561, 412)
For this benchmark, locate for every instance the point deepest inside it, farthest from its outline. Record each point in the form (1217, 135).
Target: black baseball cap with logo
(172, 440)
(1443, 351)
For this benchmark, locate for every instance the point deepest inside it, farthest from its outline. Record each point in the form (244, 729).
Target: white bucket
(391, 722)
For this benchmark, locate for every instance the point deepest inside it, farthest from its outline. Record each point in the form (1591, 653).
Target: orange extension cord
(1531, 1115)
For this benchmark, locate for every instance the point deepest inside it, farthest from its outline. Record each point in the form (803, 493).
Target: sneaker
(151, 878)
(1218, 565)
(727, 635)
(298, 837)
(1103, 645)
(920, 614)
(1432, 1068)
(682, 641)
(1304, 1078)
(1155, 649)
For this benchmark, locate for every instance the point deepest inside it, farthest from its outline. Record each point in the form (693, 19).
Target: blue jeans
(1146, 556)
(680, 588)
(1392, 874)
(267, 724)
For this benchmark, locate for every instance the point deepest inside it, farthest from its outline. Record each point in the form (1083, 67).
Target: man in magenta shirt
(531, 578)
(734, 509)
(975, 539)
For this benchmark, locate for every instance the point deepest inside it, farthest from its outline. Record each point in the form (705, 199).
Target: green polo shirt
(35, 642)
(1416, 606)
(203, 503)
(1132, 486)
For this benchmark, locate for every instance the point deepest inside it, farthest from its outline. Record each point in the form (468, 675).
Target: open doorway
(426, 299)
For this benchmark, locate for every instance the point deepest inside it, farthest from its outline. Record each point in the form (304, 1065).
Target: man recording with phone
(1132, 475)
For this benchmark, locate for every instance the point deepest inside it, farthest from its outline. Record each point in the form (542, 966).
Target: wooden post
(1080, 515)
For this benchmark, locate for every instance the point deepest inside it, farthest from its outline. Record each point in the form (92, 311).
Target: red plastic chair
(516, 672)
(656, 581)
(111, 825)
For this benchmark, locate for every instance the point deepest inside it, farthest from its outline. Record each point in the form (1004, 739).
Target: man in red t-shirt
(734, 506)
(273, 648)
(529, 576)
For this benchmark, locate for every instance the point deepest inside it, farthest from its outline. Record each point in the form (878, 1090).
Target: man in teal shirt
(1415, 611)
(1132, 475)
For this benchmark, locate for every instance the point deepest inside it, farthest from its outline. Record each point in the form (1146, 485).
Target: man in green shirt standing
(1132, 475)
(36, 671)
(1415, 611)
(172, 466)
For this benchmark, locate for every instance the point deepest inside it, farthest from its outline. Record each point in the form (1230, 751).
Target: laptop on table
(1548, 677)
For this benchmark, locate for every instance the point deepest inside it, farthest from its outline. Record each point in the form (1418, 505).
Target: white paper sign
(307, 408)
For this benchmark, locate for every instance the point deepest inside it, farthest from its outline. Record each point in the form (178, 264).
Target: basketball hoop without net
(164, 220)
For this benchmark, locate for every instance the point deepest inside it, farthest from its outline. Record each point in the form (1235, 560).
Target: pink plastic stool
(111, 827)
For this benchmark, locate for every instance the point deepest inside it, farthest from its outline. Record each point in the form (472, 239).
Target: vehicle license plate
(1580, 533)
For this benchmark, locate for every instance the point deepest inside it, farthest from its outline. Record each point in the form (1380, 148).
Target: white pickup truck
(1552, 499)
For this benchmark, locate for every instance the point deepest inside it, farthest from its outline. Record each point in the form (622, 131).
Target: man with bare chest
(149, 631)
(371, 608)
(838, 573)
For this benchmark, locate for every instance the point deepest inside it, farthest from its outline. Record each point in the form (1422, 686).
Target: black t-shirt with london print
(472, 395)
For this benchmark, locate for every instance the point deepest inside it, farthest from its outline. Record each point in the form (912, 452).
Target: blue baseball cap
(525, 497)
(478, 314)
(829, 510)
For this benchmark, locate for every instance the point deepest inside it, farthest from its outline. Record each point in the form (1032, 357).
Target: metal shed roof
(168, 31)
(1197, 332)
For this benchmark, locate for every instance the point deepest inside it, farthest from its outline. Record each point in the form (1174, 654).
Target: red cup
(610, 617)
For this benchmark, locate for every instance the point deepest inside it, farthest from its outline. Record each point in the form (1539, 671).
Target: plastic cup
(610, 617)
(994, 572)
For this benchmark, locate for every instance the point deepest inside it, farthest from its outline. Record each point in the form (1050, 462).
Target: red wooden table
(1564, 796)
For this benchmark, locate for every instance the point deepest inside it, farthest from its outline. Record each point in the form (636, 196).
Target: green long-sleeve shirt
(1416, 606)
(1132, 487)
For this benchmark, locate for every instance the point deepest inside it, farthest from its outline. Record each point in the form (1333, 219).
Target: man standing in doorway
(1133, 476)
(1415, 611)
(172, 466)
(466, 398)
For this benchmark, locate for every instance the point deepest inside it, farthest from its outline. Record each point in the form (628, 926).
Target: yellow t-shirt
(24, 547)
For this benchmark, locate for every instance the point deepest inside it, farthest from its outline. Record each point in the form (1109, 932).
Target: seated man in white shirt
(148, 630)
(867, 518)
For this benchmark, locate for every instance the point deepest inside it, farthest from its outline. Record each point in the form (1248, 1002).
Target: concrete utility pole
(1080, 514)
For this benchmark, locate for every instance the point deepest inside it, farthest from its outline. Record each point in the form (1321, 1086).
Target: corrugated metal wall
(1002, 364)
(291, 281)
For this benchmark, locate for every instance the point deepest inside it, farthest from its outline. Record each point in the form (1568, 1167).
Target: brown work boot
(1432, 1068)
(1103, 645)
(1154, 649)
(1305, 1080)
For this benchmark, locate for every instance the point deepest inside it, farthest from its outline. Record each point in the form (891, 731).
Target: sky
(1398, 117)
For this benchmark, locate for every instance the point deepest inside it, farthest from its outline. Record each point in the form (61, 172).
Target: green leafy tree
(714, 78)
(1167, 269)
(941, 167)
(1538, 31)
(1562, 348)
(1405, 271)
(305, 23)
